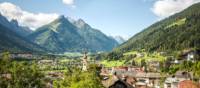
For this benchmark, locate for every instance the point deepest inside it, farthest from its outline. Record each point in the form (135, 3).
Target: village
(151, 76)
(129, 76)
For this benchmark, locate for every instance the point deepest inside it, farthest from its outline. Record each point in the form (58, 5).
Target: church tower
(84, 62)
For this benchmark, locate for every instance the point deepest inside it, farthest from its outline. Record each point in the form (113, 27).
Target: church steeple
(84, 62)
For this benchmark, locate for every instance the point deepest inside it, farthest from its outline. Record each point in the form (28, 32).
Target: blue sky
(112, 17)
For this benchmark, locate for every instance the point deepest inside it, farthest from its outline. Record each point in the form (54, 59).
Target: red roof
(187, 84)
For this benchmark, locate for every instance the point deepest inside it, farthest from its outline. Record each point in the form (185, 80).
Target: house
(151, 79)
(136, 79)
(154, 65)
(141, 84)
(171, 82)
(182, 75)
(120, 84)
(189, 55)
(119, 69)
(117, 82)
(135, 69)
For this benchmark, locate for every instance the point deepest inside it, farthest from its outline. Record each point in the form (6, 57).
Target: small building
(154, 65)
(189, 55)
(182, 75)
(117, 82)
(135, 69)
(171, 82)
(151, 79)
(120, 84)
(141, 84)
(119, 69)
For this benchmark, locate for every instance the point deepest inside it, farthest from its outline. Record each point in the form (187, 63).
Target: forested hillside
(177, 32)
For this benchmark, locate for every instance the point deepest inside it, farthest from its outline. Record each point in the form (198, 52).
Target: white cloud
(165, 8)
(68, 2)
(25, 18)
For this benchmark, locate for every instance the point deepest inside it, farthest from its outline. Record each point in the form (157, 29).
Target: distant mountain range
(12, 37)
(61, 35)
(177, 32)
(119, 39)
(14, 26)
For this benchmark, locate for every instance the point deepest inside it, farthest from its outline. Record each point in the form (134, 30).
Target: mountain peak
(61, 17)
(80, 23)
(14, 22)
(71, 20)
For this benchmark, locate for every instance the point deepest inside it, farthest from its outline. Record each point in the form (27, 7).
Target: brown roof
(148, 75)
(121, 67)
(183, 74)
(187, 84)
(113, 81)
(110, 81)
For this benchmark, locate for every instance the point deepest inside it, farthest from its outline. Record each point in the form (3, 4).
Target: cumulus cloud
(25, 18)
(68, 2)
(165, 8)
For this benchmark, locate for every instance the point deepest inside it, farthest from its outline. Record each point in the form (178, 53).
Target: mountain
(11, 39)
(21, 30)
(119, 39)
(177, 32)
(14, 26)
(63, 35)
(59, 36)
(95, 39)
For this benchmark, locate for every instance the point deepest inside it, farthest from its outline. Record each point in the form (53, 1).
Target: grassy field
(147, 56)
(178, 23)
(123, 61)
(107, 63)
